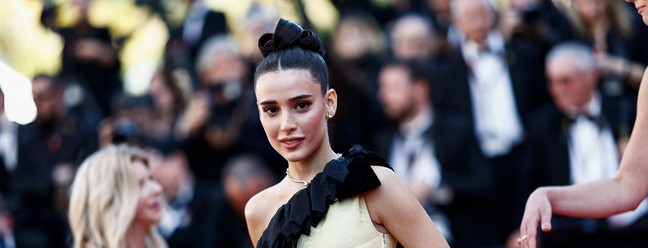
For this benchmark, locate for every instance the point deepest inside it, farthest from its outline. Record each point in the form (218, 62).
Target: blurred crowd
(458, 95)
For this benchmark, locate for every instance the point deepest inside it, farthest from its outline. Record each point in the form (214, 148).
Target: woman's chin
(293, 156)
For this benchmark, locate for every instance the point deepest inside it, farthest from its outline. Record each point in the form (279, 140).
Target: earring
(330, 115)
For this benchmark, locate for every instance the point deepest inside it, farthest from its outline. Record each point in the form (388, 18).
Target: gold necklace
(304, 181)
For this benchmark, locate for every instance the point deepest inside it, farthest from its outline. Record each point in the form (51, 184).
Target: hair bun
(287, 35)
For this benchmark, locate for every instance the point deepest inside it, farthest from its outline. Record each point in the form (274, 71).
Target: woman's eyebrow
(300, 97)
(292, 99)
(268, 102)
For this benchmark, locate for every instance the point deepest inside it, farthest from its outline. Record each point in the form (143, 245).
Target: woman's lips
(155, 206)
(291, 143)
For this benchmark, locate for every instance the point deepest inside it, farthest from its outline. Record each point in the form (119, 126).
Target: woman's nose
(287, 122)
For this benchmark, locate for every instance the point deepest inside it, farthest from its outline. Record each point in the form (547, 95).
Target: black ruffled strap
(341, 178)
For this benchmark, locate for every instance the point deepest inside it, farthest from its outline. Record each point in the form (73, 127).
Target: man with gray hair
(498, 83)
(413, 37)
(577, 140)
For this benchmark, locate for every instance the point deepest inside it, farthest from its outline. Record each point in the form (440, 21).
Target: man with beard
(437, 156)
(49, 149)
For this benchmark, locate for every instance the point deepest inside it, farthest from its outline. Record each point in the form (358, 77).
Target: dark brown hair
(292, 47)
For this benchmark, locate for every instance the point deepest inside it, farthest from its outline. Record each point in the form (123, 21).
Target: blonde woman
(115, 202)
(615, 34)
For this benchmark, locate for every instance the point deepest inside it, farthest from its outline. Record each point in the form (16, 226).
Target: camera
(126, 131)
(530, 16)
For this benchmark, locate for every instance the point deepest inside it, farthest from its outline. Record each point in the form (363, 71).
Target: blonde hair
(620, 19)
(104, 198)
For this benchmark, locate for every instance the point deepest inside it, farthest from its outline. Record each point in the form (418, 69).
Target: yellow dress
(331, 211)
(347, 224)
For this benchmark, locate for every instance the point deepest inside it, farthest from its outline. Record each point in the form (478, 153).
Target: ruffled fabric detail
(341, 178)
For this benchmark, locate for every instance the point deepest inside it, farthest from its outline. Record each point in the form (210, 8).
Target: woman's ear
(331, 103)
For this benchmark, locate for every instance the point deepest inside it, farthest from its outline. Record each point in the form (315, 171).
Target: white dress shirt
(194, 23)
(8, 142)
(497, 124)
(414, 147)
(593, 156)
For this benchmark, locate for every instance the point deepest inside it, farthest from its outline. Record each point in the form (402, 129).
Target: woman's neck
(136, 235)
(598, 31)
(309, 167)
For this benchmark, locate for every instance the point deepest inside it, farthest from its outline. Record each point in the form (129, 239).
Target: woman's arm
(601, 198)
(394, 207)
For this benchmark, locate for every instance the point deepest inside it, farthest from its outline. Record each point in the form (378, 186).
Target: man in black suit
(49, 150)
(497, 83)
(187, 41)
(8, 146)
(191, 218)
(576, 140)
(436, 156)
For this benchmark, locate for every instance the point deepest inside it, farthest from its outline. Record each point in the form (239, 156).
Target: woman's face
(163, 95)
(149, 205)
(293, 112)
(351, 40)
(591, 10)
(641, 5)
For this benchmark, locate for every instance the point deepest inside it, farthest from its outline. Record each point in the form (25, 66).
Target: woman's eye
(270, 110)
(302, 105)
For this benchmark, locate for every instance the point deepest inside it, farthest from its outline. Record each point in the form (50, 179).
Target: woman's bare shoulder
(259, 210)
(390, 186)
(258, 204)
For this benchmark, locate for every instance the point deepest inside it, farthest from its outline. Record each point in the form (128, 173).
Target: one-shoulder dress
(331, 211)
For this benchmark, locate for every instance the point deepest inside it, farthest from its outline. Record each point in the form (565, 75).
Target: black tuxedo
(202, 230)
(34, 197)
(548, 163)
(214, 23)
(4, 178)
(451, 89)
(466, 172)
(451, 85)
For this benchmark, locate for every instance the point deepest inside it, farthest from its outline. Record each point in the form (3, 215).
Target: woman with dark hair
(326, 199)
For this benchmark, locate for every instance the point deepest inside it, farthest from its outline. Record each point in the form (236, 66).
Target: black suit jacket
(451, 85)
(466, 171)
(451, 89)
(214, 24)
(202, 229)
(548, 160)
(4, 178)
(547, 163)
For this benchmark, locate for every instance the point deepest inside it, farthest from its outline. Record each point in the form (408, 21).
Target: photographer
(220, 120)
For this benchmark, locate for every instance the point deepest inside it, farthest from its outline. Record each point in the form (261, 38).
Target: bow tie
(568, 121)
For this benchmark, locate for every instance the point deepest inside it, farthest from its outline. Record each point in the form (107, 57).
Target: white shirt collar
(594, 106)
(418, 125)
(494, 42)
